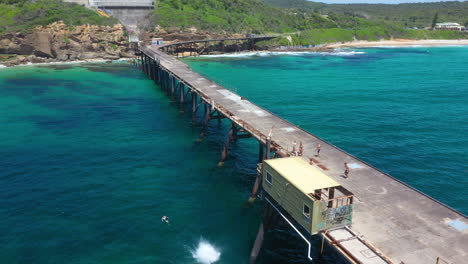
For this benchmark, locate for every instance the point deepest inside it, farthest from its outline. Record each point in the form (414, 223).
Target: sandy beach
(399, 42)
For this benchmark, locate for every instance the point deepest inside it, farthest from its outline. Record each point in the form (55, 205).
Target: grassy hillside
(25, 15)
(408, 15)
(248, 16)
(333, 35)
(255, 16)
(241, 16)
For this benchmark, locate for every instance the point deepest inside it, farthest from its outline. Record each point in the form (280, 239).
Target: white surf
(205, 253)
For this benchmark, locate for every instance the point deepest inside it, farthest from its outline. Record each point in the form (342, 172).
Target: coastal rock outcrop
(59, 42)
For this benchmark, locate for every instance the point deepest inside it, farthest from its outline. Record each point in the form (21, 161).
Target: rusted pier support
(234, 134)
(257, 245)
(270, 219)
(205, 122)
(261, 156)
(231, 135)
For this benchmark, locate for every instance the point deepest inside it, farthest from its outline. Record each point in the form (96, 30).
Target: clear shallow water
(93, 155)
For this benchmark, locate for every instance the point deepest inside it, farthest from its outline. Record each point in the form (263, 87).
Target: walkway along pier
(391, 221)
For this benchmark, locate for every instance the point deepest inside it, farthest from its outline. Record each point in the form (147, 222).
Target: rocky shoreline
(58, 42)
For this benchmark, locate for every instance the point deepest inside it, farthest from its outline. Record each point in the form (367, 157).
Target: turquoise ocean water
(93, 155)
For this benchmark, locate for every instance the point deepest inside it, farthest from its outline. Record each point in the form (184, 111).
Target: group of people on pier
(300, 152)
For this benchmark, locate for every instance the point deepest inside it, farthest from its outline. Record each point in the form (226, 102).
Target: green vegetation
(25, 15)
(429, 34)
(240, 16)
(255, 16)
(332, 35)
(7, 57)
(434, 20)
(248, 16)
(407, 15)
(66, 39)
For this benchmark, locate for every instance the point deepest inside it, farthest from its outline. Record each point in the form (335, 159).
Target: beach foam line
(65, 62)
(338, 53)
(415, 46)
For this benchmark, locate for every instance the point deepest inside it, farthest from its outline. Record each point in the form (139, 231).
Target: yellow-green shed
(311, 198)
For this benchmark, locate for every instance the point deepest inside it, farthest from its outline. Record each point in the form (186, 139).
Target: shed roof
(301, 174)
(448, 24)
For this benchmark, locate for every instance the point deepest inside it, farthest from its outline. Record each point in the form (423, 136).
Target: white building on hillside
(449, 26)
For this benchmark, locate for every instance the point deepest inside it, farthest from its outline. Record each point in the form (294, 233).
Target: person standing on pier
(318, 149)
(301, 149)
(346, 172)
(294, 148)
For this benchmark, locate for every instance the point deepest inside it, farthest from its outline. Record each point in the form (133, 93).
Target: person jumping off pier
(318, 149)
(346, 172)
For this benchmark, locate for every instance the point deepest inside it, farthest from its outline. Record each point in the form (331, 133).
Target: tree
(434, 20)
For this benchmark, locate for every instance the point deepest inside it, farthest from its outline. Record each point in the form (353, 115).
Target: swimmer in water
(165, 219)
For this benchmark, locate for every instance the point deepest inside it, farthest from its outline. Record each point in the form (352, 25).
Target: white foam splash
(205, 253)
(338, 53)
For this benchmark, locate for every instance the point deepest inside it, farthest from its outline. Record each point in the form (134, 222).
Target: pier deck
(405, 225)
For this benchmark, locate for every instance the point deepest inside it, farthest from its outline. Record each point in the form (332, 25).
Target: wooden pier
(392, 222)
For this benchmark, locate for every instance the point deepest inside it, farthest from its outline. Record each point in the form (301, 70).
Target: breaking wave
(338, 53)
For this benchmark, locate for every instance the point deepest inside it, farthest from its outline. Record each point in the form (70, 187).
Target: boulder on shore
(58, 42)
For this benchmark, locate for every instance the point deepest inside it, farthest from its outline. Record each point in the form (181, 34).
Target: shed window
(269, 178)
(306, 211)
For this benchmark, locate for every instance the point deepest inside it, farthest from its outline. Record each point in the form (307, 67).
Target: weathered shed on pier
(314, 200)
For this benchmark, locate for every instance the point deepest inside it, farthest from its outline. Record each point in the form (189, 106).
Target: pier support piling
(229, 139)
(182, 96)
(270, 219)
(173, 84)
(268, 148)
(194, 107)
(261, 147)
(255, 188)
(205, 122)
(257, 245)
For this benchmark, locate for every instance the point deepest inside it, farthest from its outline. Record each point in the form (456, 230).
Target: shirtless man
(318, 149)
(294, 148)
(346, 172)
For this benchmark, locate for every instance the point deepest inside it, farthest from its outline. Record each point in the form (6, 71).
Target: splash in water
(205, 253)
